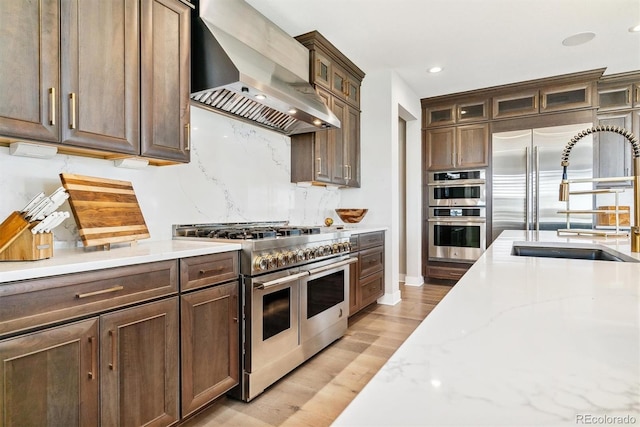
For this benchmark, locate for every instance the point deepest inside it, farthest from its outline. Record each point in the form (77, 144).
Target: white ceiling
(479, 43)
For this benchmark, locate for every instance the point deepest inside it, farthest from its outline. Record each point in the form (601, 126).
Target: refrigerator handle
(537, 189)
(527, 199)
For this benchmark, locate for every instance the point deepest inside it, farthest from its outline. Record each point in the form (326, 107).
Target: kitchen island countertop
(519, 341)
(75, 260)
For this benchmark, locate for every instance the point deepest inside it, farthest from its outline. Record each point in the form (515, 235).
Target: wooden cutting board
(106, 210)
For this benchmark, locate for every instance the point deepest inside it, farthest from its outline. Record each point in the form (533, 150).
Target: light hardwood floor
(315, 393)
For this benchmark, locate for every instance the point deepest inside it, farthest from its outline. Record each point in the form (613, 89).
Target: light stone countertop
(74, 260)
(519, 341)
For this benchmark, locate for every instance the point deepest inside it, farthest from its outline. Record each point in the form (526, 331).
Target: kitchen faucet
(564, 186)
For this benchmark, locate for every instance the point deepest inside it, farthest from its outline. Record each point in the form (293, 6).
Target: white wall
(238, 172)
(385, 97)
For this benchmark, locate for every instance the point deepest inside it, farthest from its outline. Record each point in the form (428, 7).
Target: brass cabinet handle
(112, 365)
(188, 137)
(100, 292)
(535, 102)
(72, 110)
(52, 106)
(629, 93)
(638, 94)
(319, 162)
(92, 341)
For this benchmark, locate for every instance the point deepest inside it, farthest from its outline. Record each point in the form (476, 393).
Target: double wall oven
(295, 285)
(457, 215)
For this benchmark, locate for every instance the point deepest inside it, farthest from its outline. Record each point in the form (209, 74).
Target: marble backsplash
(238, 173)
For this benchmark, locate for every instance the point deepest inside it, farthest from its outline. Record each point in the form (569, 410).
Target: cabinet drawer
(448, 273)
(199, 271)
(368, 240)
(371, 288)
(32, 303)
(371, 261)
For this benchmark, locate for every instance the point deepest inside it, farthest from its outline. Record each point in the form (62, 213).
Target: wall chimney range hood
(244, 66)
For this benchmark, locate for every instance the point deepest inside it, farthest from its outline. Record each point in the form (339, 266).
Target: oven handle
(280, 281)
(457, 183)
(445, 219)
(332, 266)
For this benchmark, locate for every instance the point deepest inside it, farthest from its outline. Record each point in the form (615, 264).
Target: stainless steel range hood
(243, 65)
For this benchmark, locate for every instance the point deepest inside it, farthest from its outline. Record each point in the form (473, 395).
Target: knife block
(18, 243)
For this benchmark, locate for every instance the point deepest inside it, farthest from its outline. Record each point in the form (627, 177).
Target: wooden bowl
(351, 216)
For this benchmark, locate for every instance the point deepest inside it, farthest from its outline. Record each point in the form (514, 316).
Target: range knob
(261, 263)
(309, 254)
(290, 257)
(272, 261)
(300, 255)
(327, 250)
(281, 260)
(347, 246)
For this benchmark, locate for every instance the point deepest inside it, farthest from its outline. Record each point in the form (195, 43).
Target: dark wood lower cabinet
(49, 378)
(122, 366)
(139, 365)
(210, 335)
(367, 274)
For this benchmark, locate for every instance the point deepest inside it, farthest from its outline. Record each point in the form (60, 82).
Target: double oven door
(457, 215)
(291, 309)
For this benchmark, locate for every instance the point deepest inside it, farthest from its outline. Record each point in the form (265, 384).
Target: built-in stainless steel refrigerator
(526, 175)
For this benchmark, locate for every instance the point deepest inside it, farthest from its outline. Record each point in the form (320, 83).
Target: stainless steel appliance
(295, 286)
(457, 234)
(457, 188)
(525, 176)
(244, 66)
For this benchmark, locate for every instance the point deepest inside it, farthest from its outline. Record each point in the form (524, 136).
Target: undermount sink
(573, 251)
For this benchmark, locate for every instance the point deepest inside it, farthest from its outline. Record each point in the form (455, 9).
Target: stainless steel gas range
(295, 287)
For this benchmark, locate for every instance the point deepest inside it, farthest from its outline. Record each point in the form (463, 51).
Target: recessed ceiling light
(578, 39)
(260, 96)
(435, 69)
(635, 29)
(292, 111)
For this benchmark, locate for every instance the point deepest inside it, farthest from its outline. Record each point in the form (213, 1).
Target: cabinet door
(337, 150)
(519, 104)
(439, 149)
(441, 115)
(472, 146)
(165, 74)
(472, 111)
(30, 66)
(338, 82)
(321, 70)
(615, 98)
(613, 151)
(353, 92)
(210, 349)
(352, 147)
(322, 148)
(566, 97)
(139, 365)
(100, 74)
(49, 378)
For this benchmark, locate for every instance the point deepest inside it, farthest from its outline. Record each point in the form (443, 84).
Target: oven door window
(461, 236)
(324, 292)
(452, 192)
(276, 313)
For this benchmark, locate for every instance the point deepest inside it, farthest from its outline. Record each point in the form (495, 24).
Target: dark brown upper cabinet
(105, 79)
